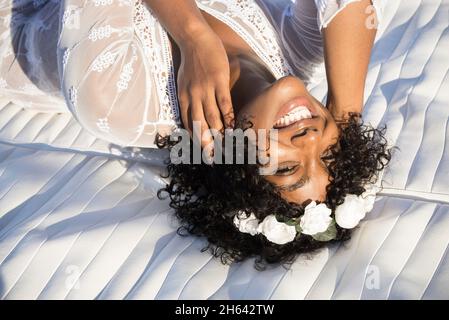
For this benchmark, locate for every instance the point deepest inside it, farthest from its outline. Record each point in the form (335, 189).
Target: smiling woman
(306, 131)
(133, 71)
(207, 198)
(320, 159)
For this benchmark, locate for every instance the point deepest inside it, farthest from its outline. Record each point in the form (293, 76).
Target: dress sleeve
(107, 79)
(328, 9)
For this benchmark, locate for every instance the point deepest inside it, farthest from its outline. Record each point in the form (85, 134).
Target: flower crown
(316, 220)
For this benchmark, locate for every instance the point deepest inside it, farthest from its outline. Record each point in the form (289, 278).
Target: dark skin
(255, 94)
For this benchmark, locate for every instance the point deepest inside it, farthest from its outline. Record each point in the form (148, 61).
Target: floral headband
(316, 220)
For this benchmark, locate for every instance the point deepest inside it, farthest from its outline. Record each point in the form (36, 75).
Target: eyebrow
(298, 184)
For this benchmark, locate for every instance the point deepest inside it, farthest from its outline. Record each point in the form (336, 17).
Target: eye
(301, 134)
(326, 157)
(287, 170)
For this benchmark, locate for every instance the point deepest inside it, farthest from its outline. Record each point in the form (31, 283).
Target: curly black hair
(205, 197)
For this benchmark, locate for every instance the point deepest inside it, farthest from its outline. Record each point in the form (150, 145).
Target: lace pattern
(3, 83)
(244, 16)
(103, 125)
(98, 3)
(157, 48)
(127, 71)
(114, 60)
(65, 57)
(248, 20)
(102, 62)
(73, 97)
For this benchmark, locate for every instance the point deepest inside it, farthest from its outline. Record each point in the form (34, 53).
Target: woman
(235, 62)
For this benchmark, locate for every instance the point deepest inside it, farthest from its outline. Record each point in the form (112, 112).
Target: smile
(297, 114)
(296, 110)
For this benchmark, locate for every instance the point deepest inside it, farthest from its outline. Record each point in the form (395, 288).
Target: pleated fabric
(78, 220)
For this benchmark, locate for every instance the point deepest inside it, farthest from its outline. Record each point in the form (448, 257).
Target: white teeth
(298, 113)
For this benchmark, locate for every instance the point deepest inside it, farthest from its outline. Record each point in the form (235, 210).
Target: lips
(297, 114)
(296, 110)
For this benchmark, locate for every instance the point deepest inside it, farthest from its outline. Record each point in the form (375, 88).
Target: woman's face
(305, 131)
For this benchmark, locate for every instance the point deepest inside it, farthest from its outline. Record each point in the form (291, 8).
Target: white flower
(349, 214)
(275, 231)
(316, 218)
(246, 225)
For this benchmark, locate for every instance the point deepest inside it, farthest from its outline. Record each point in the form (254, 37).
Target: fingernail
(208, 156)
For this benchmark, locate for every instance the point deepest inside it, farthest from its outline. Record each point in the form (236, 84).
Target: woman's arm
(181, 18)
(203, 78)
(348, 40)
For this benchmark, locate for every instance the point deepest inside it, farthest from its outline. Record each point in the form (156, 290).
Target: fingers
(212, 113)
(184, 103)
(202, 133)
(203, 110)
(212, 110)
(223, 96)
(194, 121)
(191, 112)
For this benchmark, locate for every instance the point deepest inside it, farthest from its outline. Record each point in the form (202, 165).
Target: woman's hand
(341, 114)
(203, 78)
(203, 84)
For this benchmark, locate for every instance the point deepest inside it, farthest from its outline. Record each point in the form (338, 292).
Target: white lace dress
(109, 63)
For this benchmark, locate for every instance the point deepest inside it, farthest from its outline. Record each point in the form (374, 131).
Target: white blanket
(79, 218)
